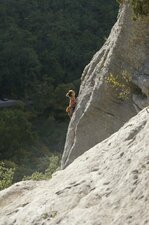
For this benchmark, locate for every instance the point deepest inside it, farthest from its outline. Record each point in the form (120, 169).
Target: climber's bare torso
(72, 103)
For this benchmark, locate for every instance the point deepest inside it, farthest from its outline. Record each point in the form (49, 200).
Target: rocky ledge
(107, 185)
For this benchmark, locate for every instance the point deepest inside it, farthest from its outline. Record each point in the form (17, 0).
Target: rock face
(107, 185)
(99, 112)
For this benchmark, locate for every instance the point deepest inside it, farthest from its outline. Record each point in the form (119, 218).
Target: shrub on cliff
(121, 84)
(54, 161)
(140, 7)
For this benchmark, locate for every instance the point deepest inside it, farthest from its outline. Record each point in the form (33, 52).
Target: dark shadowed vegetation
(44, 46)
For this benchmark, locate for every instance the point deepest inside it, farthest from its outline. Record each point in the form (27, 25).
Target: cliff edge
(100, 112)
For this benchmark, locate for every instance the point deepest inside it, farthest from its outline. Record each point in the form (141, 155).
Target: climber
(72, 102)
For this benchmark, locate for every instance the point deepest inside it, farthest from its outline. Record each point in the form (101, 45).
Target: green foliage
(43, 95)
(20, 143)
(54, 161)
(140, 7)
(35, 176)
(6, 175)
(46, 44)
(15, 132)
(121, 84)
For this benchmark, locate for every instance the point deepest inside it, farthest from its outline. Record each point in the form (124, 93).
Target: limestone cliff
(107, 185)
(99, 112)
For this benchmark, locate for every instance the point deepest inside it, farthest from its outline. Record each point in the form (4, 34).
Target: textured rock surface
(99, 112)
(107, 185)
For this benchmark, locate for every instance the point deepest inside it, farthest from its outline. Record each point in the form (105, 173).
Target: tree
(15, 133)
